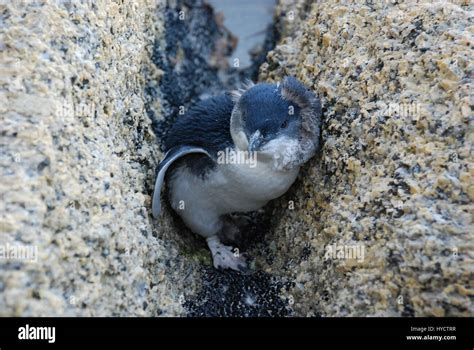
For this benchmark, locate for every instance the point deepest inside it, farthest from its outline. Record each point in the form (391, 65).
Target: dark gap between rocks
(195, 65)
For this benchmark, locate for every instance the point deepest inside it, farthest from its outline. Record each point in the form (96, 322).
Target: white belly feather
(230, 188)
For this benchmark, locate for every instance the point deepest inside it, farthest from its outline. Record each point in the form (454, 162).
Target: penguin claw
(224, 257)
(227, 260)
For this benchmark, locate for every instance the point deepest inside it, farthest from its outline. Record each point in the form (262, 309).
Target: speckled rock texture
(77, 162)
(395, 172)
(88, 91)
(89, 88)
(192, 58)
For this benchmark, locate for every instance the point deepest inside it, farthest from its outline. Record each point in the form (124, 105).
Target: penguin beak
(255, 142)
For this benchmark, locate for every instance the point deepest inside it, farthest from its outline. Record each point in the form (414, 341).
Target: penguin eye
(284, 125)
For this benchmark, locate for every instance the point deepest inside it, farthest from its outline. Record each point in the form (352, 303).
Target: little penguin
(233, 153)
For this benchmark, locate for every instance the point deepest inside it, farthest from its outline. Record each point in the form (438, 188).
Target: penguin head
(278, 121)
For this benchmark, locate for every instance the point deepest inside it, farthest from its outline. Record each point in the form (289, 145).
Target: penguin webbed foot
(226, 257)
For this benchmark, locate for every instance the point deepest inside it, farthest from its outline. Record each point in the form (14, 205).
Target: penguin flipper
(170, 156)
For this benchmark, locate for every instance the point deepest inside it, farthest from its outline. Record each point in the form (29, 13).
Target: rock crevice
(88, 89)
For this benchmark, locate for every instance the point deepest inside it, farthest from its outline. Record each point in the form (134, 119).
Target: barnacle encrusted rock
(394, 178)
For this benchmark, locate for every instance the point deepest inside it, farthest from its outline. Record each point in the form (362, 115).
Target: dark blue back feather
(206, 125)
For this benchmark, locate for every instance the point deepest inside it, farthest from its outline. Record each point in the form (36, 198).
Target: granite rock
(77, 162)
(380, 222)
(90, 87)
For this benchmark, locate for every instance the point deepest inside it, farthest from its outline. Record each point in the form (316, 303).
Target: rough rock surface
(191, 56)
(77, 162)
(88, 90)
(89, 87)
(395, 172)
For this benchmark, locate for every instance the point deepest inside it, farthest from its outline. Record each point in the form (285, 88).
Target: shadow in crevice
(191, 72)
(231, 294)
